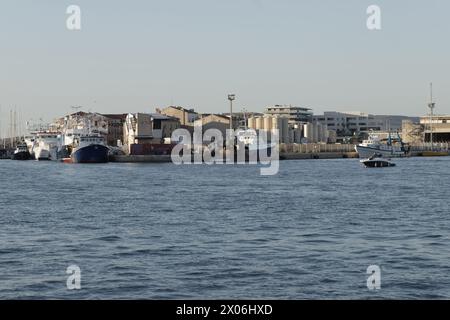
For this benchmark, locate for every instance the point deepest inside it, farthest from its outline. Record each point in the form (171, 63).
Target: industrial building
(214, 121)
(148, 129)
(187, 117)
(353, 123)
(115, 128)
(294, 114)
(438, 125)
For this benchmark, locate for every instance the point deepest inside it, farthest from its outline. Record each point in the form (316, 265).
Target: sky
(136, 55)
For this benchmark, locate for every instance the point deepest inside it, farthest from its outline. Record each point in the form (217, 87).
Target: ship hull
(94, 153)
(377, 163)
(367, 152)
(21, 156)
(42, 155)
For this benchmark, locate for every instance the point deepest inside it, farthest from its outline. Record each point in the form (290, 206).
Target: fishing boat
(90, 148)
(390, 148)
(83, 139)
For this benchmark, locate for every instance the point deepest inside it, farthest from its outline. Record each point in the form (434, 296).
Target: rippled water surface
(159, 231)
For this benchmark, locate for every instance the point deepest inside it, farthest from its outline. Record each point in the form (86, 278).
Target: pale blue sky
(139, 54)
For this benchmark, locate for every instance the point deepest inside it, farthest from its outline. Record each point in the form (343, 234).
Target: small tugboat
(377, 161)
(21, 152)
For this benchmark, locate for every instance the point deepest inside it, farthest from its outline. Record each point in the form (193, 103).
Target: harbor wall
(140, 158)
(322, 155)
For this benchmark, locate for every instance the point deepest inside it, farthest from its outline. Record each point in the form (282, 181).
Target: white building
(350, 123)
(294, 114)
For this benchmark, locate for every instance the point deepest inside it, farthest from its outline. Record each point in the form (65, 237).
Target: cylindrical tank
(298, 133)
(291, 135)
(259, 125)
(324, 134)
(316, 132)
(251, 123)
(308, 132)
(267, 123)
(284, 130)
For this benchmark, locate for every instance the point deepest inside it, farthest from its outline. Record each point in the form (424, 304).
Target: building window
(157, 124)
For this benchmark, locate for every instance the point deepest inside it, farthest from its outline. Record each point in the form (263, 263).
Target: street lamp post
(231, 97)
(431, 105)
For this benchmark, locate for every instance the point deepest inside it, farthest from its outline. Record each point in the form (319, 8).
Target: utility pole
(431, 105)
(231, 97)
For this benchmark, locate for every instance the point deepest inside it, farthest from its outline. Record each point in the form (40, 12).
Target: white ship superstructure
(46, 145)
(374, 145)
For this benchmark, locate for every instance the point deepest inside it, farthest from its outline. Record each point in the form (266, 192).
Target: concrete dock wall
(141, 159)
(322, 155)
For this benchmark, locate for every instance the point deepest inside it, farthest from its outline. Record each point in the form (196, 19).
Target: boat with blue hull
(90, 149)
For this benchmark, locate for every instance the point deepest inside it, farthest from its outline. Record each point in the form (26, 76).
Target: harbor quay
(149, 137)
(296, 152)
(90, 137)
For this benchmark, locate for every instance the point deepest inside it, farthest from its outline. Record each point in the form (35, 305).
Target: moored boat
(46, 146)
(255, 146)
(388, 148)
(90, 149)
(21, 152)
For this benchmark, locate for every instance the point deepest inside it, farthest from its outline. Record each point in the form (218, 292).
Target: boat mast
(11, 129)
(431, 105)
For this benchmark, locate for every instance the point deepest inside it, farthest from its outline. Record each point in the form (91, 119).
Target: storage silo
(267, 123)
(284, 130)
(259, 125)
(251, 123)
(291, 134)
(276, 125)
(324, 133)
(298, 133)
(308, 132)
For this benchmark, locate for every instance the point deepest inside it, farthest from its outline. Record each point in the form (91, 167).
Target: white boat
(254, 145)
(46, 146)
(30, 142)
(387, 149)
